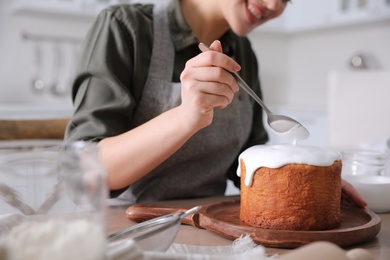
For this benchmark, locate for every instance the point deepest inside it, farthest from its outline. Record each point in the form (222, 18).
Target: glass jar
(55, 194)
(366, 162)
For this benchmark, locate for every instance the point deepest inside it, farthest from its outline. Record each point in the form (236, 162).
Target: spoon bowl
(287, 127)
(282, 125)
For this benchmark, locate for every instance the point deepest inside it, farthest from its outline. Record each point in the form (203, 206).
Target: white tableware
(366, 162)
(374, 189)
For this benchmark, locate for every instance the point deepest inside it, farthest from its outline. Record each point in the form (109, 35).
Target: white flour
(56, 239)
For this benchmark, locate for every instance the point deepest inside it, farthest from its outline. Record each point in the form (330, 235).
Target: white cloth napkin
(241, 248)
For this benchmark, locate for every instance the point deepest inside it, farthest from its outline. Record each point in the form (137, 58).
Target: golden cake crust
(292, 197)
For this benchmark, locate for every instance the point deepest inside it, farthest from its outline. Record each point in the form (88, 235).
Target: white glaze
(275, 156)
(289, 130)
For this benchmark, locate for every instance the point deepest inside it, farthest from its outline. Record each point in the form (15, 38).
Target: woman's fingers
(215, 59)
(215, 75)
(216, 46)
(207, 82)
(212, 66)
(210, 94)
(349, 195)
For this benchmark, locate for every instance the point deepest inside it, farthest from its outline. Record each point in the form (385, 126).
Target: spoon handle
(203, 47)
(189, 212)
(143, 212)
(250, 91)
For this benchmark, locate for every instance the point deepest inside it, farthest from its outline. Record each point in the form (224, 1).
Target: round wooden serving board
(357, 225)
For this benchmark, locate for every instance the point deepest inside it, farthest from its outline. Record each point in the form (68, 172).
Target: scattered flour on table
(55, 239)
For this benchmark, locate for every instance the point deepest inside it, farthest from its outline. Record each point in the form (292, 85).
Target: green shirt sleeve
(108, 81)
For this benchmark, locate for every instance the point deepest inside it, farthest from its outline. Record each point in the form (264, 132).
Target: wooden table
(116, 220)
(16, 129)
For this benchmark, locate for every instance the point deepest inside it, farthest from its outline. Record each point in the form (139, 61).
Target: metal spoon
(156, 234)
(282, 125)
(153, 226)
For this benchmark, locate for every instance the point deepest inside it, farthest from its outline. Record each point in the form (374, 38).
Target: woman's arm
(206, 84)
(104, 101)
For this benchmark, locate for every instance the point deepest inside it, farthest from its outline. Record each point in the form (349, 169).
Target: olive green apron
(199, 167)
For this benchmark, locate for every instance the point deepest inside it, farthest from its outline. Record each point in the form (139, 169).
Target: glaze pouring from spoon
(282, 125)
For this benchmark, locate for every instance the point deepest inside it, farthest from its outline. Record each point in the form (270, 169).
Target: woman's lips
(255, 12)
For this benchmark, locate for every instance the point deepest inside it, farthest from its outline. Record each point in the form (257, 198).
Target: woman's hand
(350, 196)
(207, 83)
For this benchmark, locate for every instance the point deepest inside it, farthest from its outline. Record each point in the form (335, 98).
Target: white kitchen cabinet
(359, 11)
(60, 9)
(358, 108)
(300, 15)
(65, 9)
(308, 15)
(33, 111)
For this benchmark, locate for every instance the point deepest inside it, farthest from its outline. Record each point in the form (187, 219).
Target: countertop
(379, 247)
(13, 129)
(33, 121)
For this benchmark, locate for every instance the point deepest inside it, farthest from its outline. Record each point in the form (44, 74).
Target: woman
(169, 120)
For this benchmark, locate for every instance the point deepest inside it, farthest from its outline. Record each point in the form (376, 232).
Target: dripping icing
(276, 156)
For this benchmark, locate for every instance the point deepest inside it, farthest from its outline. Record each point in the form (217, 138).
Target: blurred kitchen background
(324, 62)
